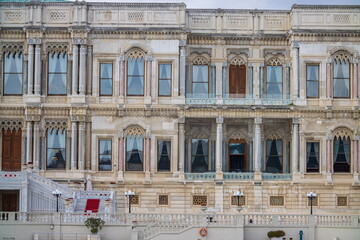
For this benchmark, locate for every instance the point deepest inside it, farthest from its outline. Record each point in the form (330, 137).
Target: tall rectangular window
(13, 71)
(106, 79)
(200, 155)
(342, 154)
(105, 155)
(57, 70)
(341, 79)
(134, 152)
(200, 80)
(163, 155)
(274, 156)
(274, 82)
(312, 157)
(165, 79)
(312, 81)
(135, 76)
(56, 157)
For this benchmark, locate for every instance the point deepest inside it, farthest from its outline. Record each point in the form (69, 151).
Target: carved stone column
(357, 154)
(148, 76)
(37, 74)
(122, 75)
(29, 144)
(181, 149)
(81, 155)
(75, 69)
(30, 69)
(329, 154)
(328, 80)
(219, 133)
(36, 146)
(257, 144)
(121, 152)
(82, 71)
(73, 145)
(295, 145)
(355, 81)
(296, 69)
(182, 64)
(89, 70)
(147, 155)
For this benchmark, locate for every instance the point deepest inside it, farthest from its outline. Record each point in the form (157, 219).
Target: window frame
(112, 78)
(310, 80)
(4, 73)
(48, 73)
(282, 154)
(47, 148)
(208, 79)
(349, 154)
(143, 155)
(266, 82)
(157, 155)
(127, 78)
(319, 155)
(160, 79)
(99, 154)
(208, 155)
(333, 79)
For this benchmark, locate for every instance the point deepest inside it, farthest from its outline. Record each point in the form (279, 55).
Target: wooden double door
(11, 150)
(238, 157)
(9, 200)
(237, 81)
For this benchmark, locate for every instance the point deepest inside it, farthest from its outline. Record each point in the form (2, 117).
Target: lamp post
(238, 194)
(57, 194)
(128, 194)
(311, 196)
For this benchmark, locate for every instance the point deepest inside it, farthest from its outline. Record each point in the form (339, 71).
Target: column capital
(182, 43)
(122, 58)
(121, 135)
(296, 121)
(79, 41)
(219, 120)
(357, 137)
(149, 58)
(295, 45)
(258, 120)
(148, 135)
(181, 120)
(355, 61)
(83, 49)
(32, 118)
(329, 137)
(34, 40)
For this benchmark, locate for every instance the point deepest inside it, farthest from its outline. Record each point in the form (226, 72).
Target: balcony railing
(276, 176)
(195, 98)
(238, 176)
(200, 176)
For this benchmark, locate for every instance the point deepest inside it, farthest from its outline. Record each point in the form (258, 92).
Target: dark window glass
(341, 79)
(56, 157)
(274, 157)
(164, 79)
(135, 76)
(274, 82)
(105, 155)
(200, 155)
(312, 81)
(312, 157)
(13, 73)
(200, 80)
(342, 150)
(57, 74)
(106, 75)
(163, 155)
(134, 153)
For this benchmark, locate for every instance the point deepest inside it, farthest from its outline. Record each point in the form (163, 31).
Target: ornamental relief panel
(14, 16)
(342, 133)
(11, 124)
(55, 124)
(12, 48)
(134, 131)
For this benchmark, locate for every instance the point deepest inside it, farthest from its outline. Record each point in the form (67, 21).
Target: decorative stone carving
(200, 61)
(134, 131)
(274, 62)
(237, 61)
(342, 133)
(274, 135)
(57, 48)
(79, 40)
(34, 40)
(11, 124)
(55, 125)
(341, 56)
(199, 135)
(12, 48)
(182, 43)
(136, 53)
(238, 135)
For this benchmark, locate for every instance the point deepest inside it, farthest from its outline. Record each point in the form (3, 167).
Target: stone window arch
(341, 72)
(342, 149)
(57, 69)
(56, 144)
(134, 148)
(200, 84)
(13, 69)
(135, 60)
(274, 78)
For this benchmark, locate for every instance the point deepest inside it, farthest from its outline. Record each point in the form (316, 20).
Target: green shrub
(278, 233)
(94, 224)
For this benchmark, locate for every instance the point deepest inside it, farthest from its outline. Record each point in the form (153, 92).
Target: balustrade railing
(238, 175)
(200, 176)
(335, 220)
(276, 176)
(193, 98)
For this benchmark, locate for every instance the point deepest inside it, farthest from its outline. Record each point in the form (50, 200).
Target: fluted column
(121, 153)
(29, 145)
(257, 144)
(81, 155)
(329, 154)
(75, 69)
(219, 133)
(122, 75)
(356, 154)
(355, 89)
(36, 148)
(73, 145)
(147, 149)
(295, 145)
(182, 67)
(89, 70)
(30, 69)
(328, 80)
(148, 76)
(37, 74)
(295, 69)
(82, 71)
(181, 149)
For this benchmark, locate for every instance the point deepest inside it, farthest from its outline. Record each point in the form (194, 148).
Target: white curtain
(13, 73)
(139, 142)
(347, 149)
(194, 147)
(268, 148)
(308, 150)
(274, 81)
(200, 79)
(134, 143)
(136, 76)
(130, 140)
(341, 79)
(205, 146)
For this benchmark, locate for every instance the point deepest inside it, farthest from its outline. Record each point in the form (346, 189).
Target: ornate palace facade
(182, 106)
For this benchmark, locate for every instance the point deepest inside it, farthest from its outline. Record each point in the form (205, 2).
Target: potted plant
(94, 224)
(276, 235)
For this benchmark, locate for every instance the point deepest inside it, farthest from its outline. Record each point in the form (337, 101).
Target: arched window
(135, 73)
(57, 69)
(13, 70)
(199, 152)
(274, 79)
(200, 77)
(238, 152)
(342, 150)
(237, 78)
(341, 74)
(56, 150)
(134, 148)
(274, 153)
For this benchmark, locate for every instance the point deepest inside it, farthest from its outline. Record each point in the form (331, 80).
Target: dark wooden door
(10, 201)
(238, 156)
(237, 81)
(11, 150)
